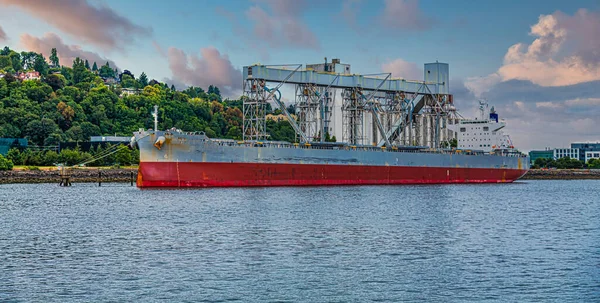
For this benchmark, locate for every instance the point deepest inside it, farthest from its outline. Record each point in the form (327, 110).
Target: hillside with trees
(72, 101)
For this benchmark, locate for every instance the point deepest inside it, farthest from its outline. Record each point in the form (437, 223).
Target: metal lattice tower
(307, 110)
(255, 109)
(352, 116)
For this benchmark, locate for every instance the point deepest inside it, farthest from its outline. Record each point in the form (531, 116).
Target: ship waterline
(177, 159)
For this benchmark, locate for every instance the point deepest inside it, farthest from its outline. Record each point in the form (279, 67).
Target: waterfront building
(536, 154)
(572, 153)
(591, 155)
(585, 147)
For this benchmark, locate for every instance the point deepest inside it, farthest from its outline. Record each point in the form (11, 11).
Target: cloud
(283, 26)
(274, 24)
(583, 102)
(548, 89)
(101, 26)
(403, 69)
(405, 14)
(210, 68)
(3, 36)
(565, 51)
(66, 53)
(481, 85)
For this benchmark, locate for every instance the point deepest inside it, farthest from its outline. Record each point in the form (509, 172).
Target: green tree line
(565, 163)
(72, 103)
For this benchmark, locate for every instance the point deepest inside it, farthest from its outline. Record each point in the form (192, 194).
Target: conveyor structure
(399, 112)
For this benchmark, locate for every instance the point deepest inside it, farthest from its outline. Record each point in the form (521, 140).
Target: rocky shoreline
(562, 174)
(124, 175)
(89, 175)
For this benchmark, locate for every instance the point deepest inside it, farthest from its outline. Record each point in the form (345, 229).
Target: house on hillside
(129, 91)
(110, 81)
(28, 76)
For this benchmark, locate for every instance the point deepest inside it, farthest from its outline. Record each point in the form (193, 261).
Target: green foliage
(593, 163)
(562, 163)
(143, 80)
(568, 163)
(5, 62)
(5, 164)
(281, 131)
(81, 74)
(56, 81)
(128, 82)
(40, 65)
(54, 58)
(123, 156)
(106, 71)
(329, 139)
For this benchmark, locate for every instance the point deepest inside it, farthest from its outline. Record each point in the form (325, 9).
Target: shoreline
(78, 175)
(123, 175)
(562, 174)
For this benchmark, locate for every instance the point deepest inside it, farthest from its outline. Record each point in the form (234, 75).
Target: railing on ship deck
(338, 146)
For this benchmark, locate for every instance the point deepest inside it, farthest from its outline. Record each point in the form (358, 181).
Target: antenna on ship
(155, 115)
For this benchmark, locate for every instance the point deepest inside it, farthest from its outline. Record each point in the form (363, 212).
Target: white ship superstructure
(483, 133)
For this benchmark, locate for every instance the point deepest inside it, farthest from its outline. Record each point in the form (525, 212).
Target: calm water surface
(528, 241)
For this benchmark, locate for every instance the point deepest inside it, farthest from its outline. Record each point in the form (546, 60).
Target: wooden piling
(65, 177)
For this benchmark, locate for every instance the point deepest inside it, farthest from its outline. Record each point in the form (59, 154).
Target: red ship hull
(203, 174)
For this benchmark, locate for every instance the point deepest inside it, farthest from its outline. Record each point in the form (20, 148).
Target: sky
(537, 62)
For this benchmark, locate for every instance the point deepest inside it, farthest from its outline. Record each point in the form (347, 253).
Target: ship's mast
(155, 115)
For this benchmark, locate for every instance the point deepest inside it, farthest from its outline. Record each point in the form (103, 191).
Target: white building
(591, 155)
(483, 133)
(572, 153)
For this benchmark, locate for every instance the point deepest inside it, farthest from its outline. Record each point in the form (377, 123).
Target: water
(528, 241)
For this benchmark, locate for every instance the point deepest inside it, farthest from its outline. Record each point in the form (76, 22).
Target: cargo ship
(410, 119)
(181, 159)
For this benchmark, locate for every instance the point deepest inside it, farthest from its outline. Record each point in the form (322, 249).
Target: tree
(593, 163)
(5, 62)
(173, 87)
(143, 80)
(38, 130)
(56, 81)
(54, 58)
(106, 71)
(125, 72)
(79, 71)
(40, 65)
(87, 64)
(15, 155)
(15, 58)
(95, 67)
(5, 164)
(123, 156)
(128, 81)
